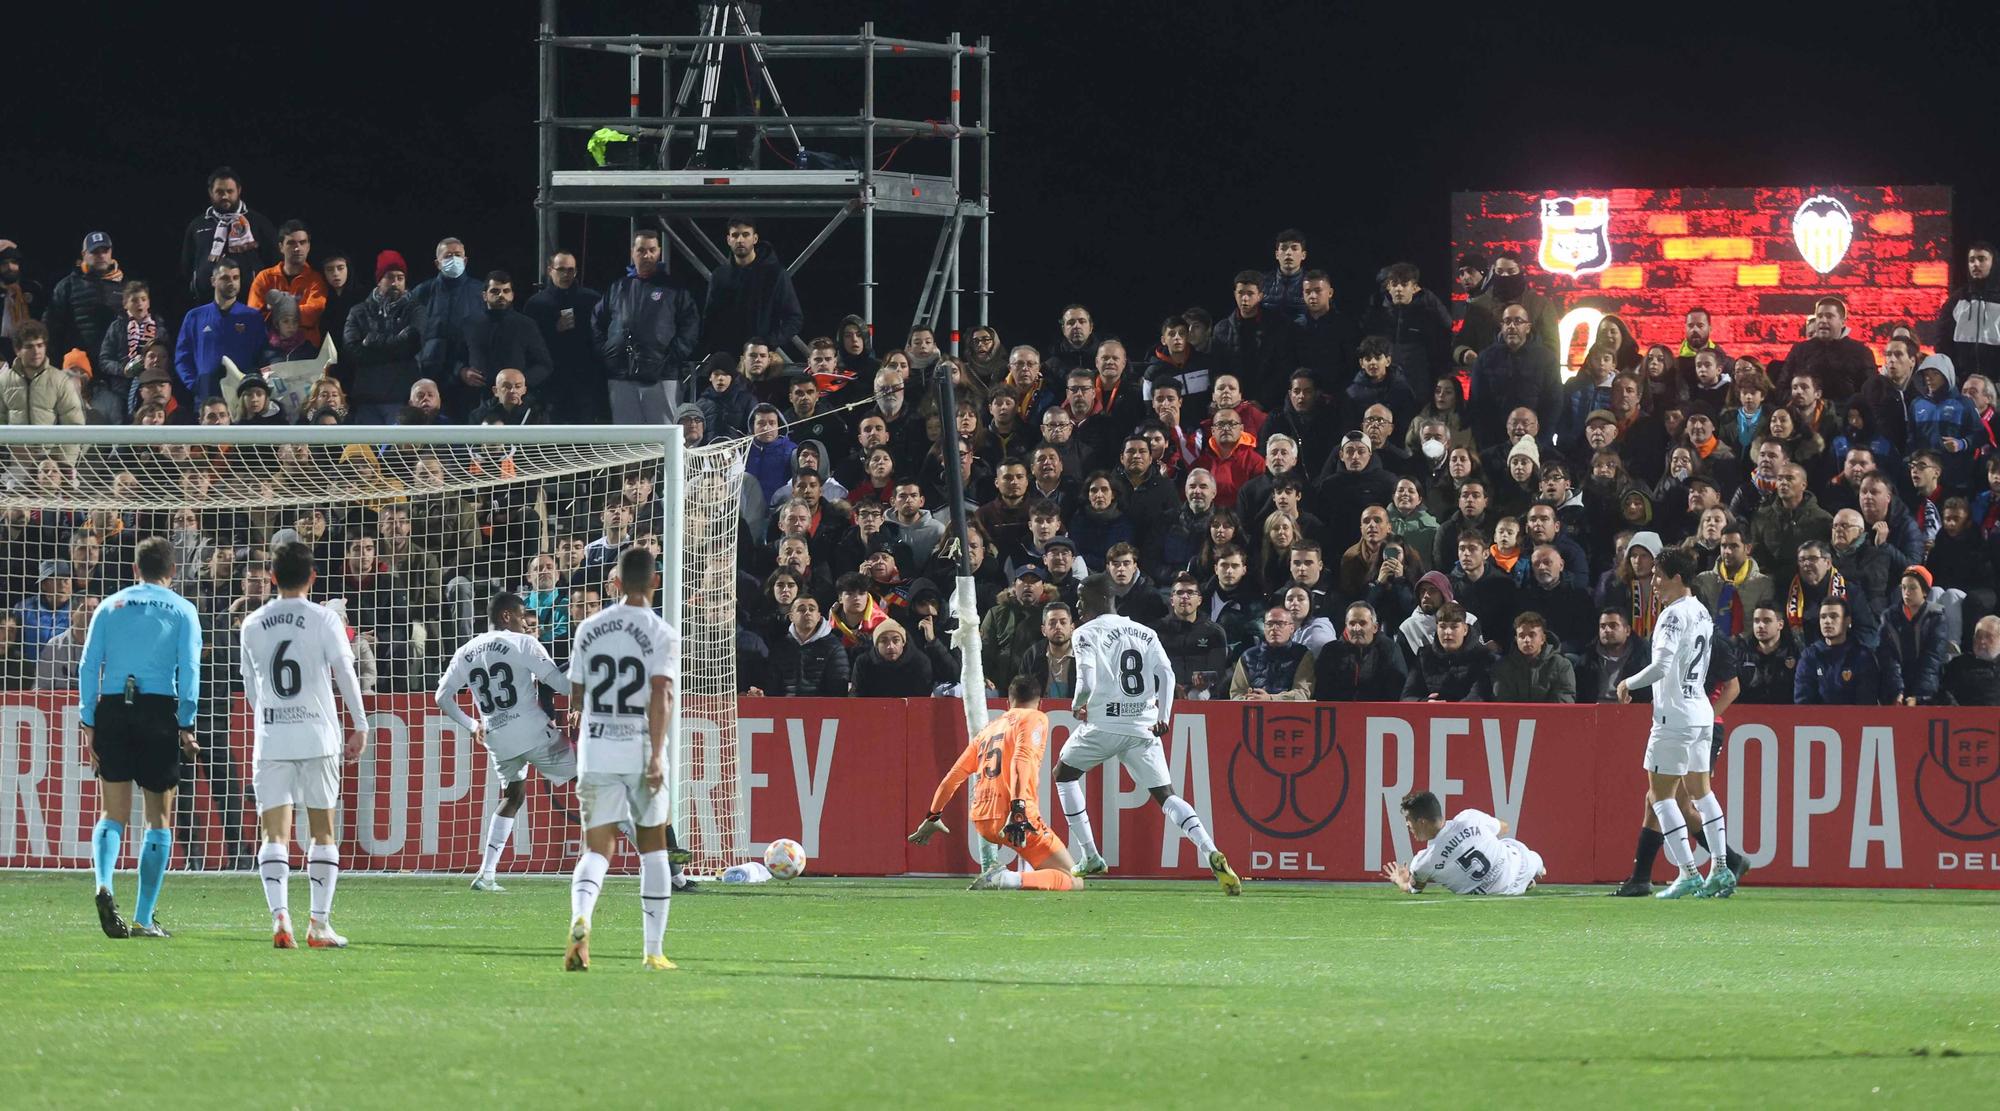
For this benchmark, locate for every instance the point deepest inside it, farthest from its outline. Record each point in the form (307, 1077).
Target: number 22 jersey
(615, 655)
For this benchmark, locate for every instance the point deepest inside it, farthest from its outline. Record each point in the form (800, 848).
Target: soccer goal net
(414, 530)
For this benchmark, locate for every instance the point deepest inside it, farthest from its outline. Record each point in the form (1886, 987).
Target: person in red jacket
(1230, 456)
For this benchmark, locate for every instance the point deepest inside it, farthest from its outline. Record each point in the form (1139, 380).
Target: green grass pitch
(915, 993)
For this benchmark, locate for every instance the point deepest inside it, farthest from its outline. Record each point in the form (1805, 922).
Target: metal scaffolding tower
(670, 191)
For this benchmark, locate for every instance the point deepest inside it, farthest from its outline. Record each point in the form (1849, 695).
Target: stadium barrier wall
(1848, 797)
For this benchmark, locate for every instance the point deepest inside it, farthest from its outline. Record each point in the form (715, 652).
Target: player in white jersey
(1124, 702)
(1469, 855)
(1677, 751)
(290, 646)
(620, 699)
(501, 667)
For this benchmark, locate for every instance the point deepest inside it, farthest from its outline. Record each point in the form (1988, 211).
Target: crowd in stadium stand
(1400, 498)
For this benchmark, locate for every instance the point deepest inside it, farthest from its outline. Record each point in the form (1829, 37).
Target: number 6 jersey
(614, 656)
(501, 668)
(290, 647)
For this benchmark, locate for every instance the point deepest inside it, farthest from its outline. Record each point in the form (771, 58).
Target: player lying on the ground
(1468, 855)
(620, 699)
(291, 645)
(1007, 754)
(502, 667)
(1124, 700)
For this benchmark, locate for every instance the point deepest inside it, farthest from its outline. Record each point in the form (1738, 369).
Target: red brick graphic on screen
(1748, 255)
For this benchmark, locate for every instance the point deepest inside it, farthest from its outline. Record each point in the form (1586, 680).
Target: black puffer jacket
(1348, 672)
(1462, 676)
(817, 668)
(381, 342)
(82, 307)
(907, 676)
(646, 328)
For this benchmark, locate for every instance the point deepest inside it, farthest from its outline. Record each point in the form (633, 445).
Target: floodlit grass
(916, 993)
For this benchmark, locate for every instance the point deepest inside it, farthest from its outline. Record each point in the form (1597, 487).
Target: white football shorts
(606, 799)
(313, 783)
(554, 758)
(1678, 750)
(1143, 756)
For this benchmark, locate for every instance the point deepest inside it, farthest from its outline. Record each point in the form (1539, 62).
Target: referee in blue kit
(137, 688)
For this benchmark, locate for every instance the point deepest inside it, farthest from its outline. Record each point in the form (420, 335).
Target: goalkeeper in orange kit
(1007, 754)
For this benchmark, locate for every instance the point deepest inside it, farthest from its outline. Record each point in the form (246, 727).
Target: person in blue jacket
(1839, 670)
(223, 327)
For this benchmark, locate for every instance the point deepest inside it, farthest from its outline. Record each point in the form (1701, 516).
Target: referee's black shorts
(139, 743)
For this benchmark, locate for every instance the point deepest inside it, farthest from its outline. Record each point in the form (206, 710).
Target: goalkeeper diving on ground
(1007, 754)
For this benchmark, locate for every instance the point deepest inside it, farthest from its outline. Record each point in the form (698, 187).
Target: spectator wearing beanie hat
(383, 336)
(1918, 626)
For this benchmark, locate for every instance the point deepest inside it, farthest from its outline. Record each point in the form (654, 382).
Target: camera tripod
(716, 20)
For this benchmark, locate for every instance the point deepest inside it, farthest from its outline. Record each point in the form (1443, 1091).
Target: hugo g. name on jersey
(501, 668)
(615, 655)
(1124, 672)
(293, 648)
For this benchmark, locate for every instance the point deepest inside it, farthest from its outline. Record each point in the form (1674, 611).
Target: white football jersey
(614, 655)
(1470, 857)
(293, 649)
(502, 668)
(1679, 672)
(1124, 680)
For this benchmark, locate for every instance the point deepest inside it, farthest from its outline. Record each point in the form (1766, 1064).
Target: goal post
(414, 529)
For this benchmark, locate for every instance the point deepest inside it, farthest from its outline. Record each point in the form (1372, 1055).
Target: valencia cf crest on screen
(1823, 230)
(1575, 236)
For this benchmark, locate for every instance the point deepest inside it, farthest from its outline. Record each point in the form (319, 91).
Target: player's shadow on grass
(475, 950)
(767, 974)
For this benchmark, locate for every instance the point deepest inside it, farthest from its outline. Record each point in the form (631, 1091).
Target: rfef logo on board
(1953, 781)
(1287, 777)
(1575, 239)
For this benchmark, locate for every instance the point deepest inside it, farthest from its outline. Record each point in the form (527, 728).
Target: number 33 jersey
(615, 655)
(292, 648)
(501, 669)
(1469, 857)
(1124, 679)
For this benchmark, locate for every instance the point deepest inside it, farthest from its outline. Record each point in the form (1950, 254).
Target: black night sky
(1146, 152)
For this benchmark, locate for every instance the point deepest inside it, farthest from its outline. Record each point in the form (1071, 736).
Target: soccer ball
(786, 859)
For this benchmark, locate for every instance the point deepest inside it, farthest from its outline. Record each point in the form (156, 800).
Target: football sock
(154, 852)
(323, 869)
(585, 883)
(1078, 815)
(1045, 879)
(104, 842)
(1710, 809)
(656, 893)
(497, 832)
(1673, 831)
(274, 867)
(1007, 880)
(1648, 852)
(679, 873)
(1188, 822)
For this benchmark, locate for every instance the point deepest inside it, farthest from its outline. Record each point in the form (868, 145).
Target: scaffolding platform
(664, 188)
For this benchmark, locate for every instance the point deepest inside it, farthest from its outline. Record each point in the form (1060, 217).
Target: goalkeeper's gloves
(1018, 829)
(932, 824)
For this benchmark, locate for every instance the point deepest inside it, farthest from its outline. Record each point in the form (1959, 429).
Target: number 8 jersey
(501, 668)
(614, 656)
(1124, 680)
(290, 648)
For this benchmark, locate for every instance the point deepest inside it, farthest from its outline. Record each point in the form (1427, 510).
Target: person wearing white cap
(1631, 588)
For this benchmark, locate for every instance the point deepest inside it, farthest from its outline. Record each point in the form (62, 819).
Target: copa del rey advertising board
(1876, 797)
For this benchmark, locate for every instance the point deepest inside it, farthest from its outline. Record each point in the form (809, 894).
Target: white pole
(673, 598)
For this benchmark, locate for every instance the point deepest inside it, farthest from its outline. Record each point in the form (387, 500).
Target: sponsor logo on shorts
(1954, 785)
(1287, 776)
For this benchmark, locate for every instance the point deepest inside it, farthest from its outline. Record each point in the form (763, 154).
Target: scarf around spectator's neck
(232, 230)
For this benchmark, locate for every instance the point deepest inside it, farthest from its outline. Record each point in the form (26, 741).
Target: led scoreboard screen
(1755, 258)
